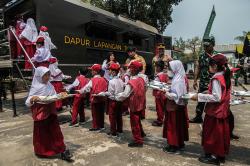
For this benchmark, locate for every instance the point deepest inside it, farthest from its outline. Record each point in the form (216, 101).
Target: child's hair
(116, 71)
(101, 72)
(83, 71)
(160, 64)
(225, 68)
(41, 43)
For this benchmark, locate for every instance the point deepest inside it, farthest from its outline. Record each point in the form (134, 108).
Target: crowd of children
(123, 90)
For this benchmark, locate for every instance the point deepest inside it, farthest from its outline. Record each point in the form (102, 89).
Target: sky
(190, 18)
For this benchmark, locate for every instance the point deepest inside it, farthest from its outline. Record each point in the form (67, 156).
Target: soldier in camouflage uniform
(202, 72)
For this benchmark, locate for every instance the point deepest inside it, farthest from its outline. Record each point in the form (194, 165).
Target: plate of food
(188, 96)
(53, 98)
(237, 102)
(242, 93)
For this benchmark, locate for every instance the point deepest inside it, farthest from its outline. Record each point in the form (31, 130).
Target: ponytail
(227, 76)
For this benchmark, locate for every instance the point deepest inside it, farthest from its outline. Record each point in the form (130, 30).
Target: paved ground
(91, 148)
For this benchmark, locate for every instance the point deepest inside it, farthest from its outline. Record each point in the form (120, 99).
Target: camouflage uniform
(205, 77)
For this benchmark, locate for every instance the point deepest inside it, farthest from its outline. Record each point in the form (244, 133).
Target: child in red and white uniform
(216, 131)
(125, 78)
(19, 27)
(175, 123)
(42, 55)
(47, 136)
(116, 86)
(160, 98)
(146, 81)
(78, 104)
(135, 92)
(48, 44)
(96, 85)
(56, 79)
(29, 36)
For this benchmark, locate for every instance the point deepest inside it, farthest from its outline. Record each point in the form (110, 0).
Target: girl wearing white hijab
(48, 43)
(29, 35)
(56, 80)
(175, 125)
(47, 136)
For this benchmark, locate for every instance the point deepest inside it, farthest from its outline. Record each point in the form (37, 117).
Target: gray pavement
(92, 148)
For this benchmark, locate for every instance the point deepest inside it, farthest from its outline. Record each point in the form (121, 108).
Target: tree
(194, 45)
(180, 43)
(153, 12)
(242, 38)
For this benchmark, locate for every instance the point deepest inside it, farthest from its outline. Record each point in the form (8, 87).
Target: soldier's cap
(131, 49)
(96, 67)
(219, 59)
(209, 41)
(161, 46)
(114, 66)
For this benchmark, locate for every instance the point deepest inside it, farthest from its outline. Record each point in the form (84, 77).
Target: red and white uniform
(135, 92)
(125, 78)
(95, 86)
(116, 86)
(78, 104)
(146, 81)
(47, 135)
(29, 36)
(216, 131)
(41, 57)
(20, 25)
(175, 123)
(47, 42)
(160, 99)
(56, 80)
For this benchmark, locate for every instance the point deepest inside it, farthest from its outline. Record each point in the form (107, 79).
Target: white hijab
(48, 43)
(30, 31)
(178, 82)
(42, 54)
(38, 88)
(54, 70)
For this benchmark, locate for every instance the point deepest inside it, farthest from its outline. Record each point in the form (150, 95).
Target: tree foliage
(192, 45)
(241, 38)
(153, 12)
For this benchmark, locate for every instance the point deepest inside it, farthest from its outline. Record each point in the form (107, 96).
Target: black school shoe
(222, 159)
(66, 155)
(234, 137)
(134, 145)
(93, 129)
(209, 159)
(197, 119)
(171, 149)
(157, 124)
(73, 125)
(112, 134)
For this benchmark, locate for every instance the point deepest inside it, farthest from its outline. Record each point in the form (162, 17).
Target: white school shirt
(116, 86)
(216, 91)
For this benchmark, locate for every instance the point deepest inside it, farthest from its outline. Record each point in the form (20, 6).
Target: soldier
(160, 55)
(202, 72)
